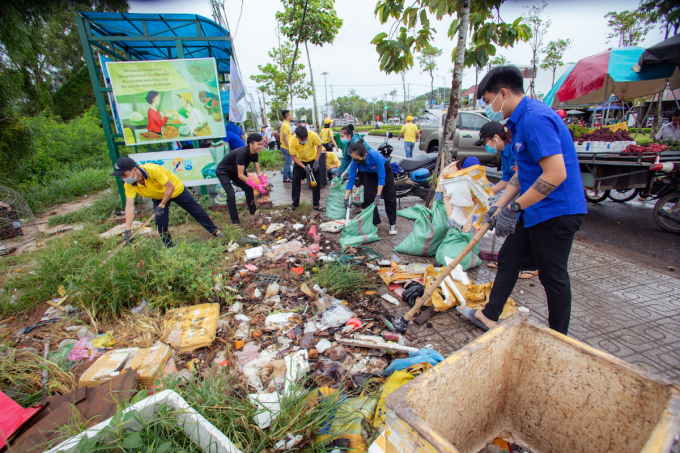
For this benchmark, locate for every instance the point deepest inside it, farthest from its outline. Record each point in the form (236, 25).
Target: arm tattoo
(542, 187)
(514, 181)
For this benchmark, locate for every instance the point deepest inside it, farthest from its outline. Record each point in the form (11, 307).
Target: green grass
(271, 159)
(339, 279)
(164, 277)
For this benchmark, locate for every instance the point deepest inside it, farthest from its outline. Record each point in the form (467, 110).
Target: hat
(327, 121)
(489, 130)
(186, 96)
(122, 165)
(409, 118)
(470, 161)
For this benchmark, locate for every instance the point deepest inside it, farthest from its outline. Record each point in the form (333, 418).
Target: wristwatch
(515, 207)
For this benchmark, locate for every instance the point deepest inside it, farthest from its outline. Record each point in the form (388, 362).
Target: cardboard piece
(149, 363)
(191, 327)
(107, 366)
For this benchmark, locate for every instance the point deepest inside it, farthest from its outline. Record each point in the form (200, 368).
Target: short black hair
(302, 121)
(676, 114)
(284, 113)
(301, 132)
(254, 137)
(151, 95)
(502, 77)
(358, 148)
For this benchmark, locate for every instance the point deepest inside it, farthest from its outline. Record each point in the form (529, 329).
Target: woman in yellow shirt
(327, 137)
(332, 164)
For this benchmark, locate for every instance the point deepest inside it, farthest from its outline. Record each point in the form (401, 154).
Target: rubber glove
(158, 211)
(377, 200)
(347, 203)
(345, 176)
(489, 214)
(315, 166)
(308, 169)
(263, 180)
(126, 237)
(505, 222)
(422, 355)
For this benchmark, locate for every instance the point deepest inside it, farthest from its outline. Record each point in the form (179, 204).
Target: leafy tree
(302, 111)
(629, 27)
(320, 27)
(275, 77)
(428, 62)
(539, 27)
(479, 17)
(553, 55)
(39, 40)
(500, 60)
(665, 12)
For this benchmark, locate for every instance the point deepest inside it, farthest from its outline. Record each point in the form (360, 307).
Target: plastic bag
(396, 380)
(335, 317)
(347, 423)
(82, 349)
(360, 230)
(412, 293)
(422, 355)
(335, 202)
(454, 243)
(429, 230)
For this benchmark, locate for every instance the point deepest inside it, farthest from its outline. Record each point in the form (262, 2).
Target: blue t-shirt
(375, 163)
(234, 141)
(507, 163)
(538, 132)
(233, 127)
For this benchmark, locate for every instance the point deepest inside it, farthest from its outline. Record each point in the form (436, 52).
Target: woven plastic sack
(360, 230)
(429, 229)
(454, 243)
(335, 202)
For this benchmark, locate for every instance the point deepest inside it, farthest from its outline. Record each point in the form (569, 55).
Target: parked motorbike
(667, 209)
(415, 176)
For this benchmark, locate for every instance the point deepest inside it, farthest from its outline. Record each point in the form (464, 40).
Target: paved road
(625, 230)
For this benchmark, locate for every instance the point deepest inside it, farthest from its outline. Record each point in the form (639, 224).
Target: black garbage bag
(412, 292)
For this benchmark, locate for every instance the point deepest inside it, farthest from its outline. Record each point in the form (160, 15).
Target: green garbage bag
(360, 230)
(335, 202)
(429, 229)
(454, 243)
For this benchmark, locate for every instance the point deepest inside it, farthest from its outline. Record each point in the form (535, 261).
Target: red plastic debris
(297, 270)
(251, 268)
(355, 323)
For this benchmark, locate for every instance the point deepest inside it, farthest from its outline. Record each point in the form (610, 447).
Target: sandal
(492, 265)
(528, 274)
(319, 208)
(287, 180)
(469, 314)
(290, 209)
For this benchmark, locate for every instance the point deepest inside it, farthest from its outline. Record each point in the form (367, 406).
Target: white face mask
(131, 179)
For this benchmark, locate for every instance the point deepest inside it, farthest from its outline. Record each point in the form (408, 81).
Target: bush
(271, 159)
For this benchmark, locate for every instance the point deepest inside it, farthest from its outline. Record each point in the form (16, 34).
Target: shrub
(271, 159)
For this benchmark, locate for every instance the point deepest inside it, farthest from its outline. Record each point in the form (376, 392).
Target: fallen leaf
(305, 289)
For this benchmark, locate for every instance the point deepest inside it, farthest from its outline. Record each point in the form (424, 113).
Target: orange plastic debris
(370, 293)
(239, 343)
(297, 270)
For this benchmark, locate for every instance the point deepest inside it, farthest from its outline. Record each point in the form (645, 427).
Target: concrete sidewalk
(621, 308)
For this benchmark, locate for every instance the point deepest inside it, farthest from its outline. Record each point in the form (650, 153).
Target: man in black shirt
(232, 169)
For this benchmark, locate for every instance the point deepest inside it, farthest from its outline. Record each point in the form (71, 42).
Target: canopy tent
(599, 108)
(134, 37)
(595, 78)
(668, 50)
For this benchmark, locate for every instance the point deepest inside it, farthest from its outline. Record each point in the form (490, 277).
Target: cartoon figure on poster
(155, 100)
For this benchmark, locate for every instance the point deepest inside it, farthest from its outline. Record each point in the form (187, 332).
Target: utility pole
(324, 74)
(332, 108)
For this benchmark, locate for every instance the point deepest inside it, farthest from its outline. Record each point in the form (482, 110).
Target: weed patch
(339, 279)
(271, 159)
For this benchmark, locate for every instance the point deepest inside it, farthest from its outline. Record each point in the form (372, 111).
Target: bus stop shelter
(134, 37)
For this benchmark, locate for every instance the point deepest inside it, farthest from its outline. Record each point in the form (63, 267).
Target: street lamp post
(324, 74)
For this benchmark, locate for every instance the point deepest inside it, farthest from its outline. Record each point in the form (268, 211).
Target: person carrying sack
(232, 169)
(378, 183)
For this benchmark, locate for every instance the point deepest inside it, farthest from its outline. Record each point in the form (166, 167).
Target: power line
(239, 19)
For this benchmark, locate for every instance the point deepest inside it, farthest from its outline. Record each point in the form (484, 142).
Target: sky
(352, 62)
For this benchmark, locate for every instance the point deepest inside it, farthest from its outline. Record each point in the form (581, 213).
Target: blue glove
(377, 200)
(347, 203)
(505, 222)
(489, 214)
(158, 211)
(422, 355)
(315, 165)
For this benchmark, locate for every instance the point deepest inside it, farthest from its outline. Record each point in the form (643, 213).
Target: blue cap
(470, 161)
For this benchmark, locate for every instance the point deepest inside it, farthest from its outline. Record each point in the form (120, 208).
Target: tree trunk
(446, 150)
(403, 80)
(431, 88)
(553, 82)
(315, 113)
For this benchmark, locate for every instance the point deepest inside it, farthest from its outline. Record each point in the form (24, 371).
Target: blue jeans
(287, 168)
(408, 147)
(333, 172)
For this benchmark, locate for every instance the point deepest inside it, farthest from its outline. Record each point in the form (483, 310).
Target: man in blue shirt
(233, 127)
(549, 203)
(234, 141)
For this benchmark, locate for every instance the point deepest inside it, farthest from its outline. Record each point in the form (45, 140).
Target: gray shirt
(668, 132)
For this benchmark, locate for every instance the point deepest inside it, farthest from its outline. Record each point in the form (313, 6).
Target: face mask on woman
(344, 141)
(358, 161)
(491, 149)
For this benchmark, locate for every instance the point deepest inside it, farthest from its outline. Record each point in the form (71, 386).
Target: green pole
(101, 102)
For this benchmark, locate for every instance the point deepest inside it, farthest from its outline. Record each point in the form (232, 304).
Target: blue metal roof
(156, 36)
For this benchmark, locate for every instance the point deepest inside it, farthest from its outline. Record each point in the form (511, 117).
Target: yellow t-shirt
(409, 130)
(332, 160)
(154, 185)
(306, 152)
(326, 134)
(285, 129)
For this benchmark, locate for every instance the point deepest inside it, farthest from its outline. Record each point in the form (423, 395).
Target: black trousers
(298, 175)
(186, 202)
(549, 243)
(226, 179)
(389, 194)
